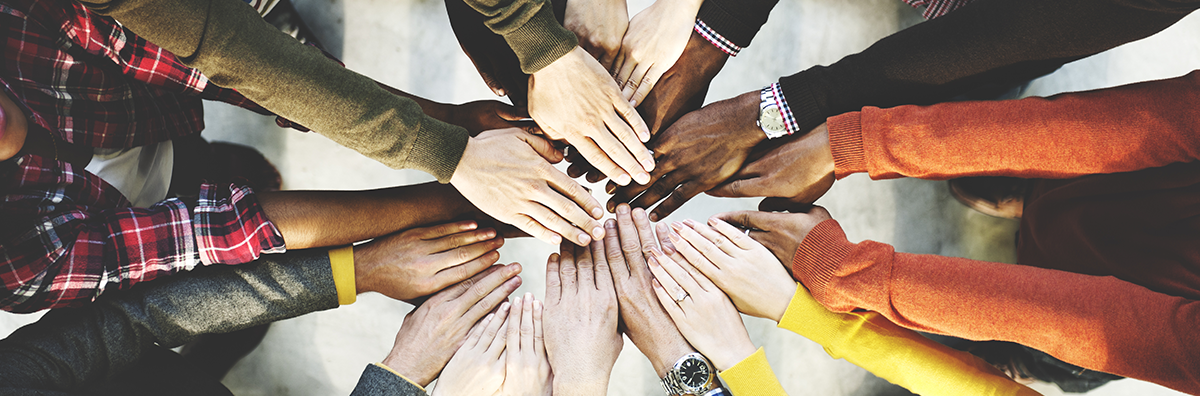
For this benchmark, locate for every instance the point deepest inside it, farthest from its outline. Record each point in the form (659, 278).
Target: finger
(568, 270)
(665, 279)
(566, 218)
(603, 274)
(576, 192)
(680, 196)
(594, 155)
(539, 344)
(752, 187)
(668, 303)
(718, 245)
(676, 243)
(739, 238)
(557, 224)
(664, 233)
(587, 268)
(477, 331)
(441, 230)
(692, 255)
(679, 273)
(632, 244)
(534, 228)
(636, 78)
(647, 84)
(628, 64)
(661, 188)
(640, 130)
(458, 273)
(553, 279)
(495, 297)
(527, 326)
(623, 147)
(497, 341)
(595, 176)
(645, 229)
(463, 287)
(512, 343)
(543, 147)
(775, 204)
(613, 251)
(512, 113)
(448, 242)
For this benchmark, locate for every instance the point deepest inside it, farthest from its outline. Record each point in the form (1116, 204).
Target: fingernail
(653, 216)
(622, 209)
(648, 164)
(675, 225)
(609, 189)
(597, 232)
(555, 239)
(623, 179)
(504, 306)
(471, 225)
(673, 237)
(537, 305)
(657, 285)
(528, 296)
(650, 259)
(690, 223)
(712, 221)
(489, 234)
(488, 318)
(584, 239)
(642, 177)
(597, 213)
(610, 206)
(632, 102)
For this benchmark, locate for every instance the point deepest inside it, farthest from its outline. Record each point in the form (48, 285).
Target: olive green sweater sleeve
(235, 48)
(530, 29)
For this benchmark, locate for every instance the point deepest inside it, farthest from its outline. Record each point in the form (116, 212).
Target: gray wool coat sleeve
(72, 350)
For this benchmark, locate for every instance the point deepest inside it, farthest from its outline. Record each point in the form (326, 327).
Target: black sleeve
(376, 381)
(736, 20)
(74, 350)
(984, 42)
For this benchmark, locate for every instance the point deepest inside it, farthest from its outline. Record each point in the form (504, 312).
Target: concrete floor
(408, 44)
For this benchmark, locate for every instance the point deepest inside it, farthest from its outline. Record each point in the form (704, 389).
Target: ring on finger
(682, 295)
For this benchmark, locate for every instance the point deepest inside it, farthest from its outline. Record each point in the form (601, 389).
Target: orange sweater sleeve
(1111, 130)
(1100, 323)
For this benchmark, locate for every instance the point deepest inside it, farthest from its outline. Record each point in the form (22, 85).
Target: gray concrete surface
(408, 44)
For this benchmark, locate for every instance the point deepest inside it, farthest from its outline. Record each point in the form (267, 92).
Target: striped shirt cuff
(789, 119)
(717, 39)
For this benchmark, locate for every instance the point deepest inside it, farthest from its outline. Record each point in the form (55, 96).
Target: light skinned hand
(700, 151)
(702, 312)
(420, 261)
(781, 233)
(507, 174)
(576, 100)
(477, 368)
(435, 330)
(655, 40)
(796, 173)
(580, 324)
(745, 270)
(646, 321)
(526, 368)
(600, 25)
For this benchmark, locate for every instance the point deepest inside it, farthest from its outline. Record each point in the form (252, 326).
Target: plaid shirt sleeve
(72, 236)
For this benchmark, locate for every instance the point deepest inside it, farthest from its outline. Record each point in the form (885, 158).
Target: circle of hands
(672, 289)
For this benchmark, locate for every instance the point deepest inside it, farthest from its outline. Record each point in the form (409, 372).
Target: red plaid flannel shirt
(66, 235)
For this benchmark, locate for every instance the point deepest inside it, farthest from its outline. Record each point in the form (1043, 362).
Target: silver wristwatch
(691, 375)
(770, 116)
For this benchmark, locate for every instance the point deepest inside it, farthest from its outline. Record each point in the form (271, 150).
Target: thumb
(751, 187)
(749, 219)
(512, 113)
(543, 147)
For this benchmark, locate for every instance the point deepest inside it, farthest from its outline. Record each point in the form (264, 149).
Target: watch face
(694, 373)
(771, 120)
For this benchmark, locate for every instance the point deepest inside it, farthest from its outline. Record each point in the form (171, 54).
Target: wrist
(407, 369)
(363, 264)
(750, 134)
(726, 358)
(580, 384)
(665, 357)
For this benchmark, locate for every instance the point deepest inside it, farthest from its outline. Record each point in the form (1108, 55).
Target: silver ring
(682, 296)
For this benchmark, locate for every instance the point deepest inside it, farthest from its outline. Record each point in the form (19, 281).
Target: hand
(599, 24)
(477, 368)
(526, 368)
(680, 91)
(433, 332)
(580, 324)
(702, 312)
(655, 39)
(507, 174)
(700, 151)
(420, 261)
(754, 279)
(576, 100)
(486, 115)
(781, 233)
(646, 322)
(796, 173)
(495, 61)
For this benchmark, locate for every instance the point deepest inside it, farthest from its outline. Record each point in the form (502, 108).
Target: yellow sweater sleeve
(894, 353)
(752, 377)
(341, 260)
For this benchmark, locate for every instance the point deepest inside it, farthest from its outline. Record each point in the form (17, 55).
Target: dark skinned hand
(781, 233)
(700, 151)
(486, 115)
(792, 175)
(680, 90)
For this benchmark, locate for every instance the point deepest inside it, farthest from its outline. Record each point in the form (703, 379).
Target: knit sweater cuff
(797, 90)
(752, 376)
(818, 258)
(437, 148)
(541, 40)
(845, 140)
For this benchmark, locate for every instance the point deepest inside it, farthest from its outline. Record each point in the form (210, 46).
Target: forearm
(332, 218)
(530, 28)
(235, 48)
(896, 354)
(986, 41)
(76, 350)
(1100, 323)
(1112, 130)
